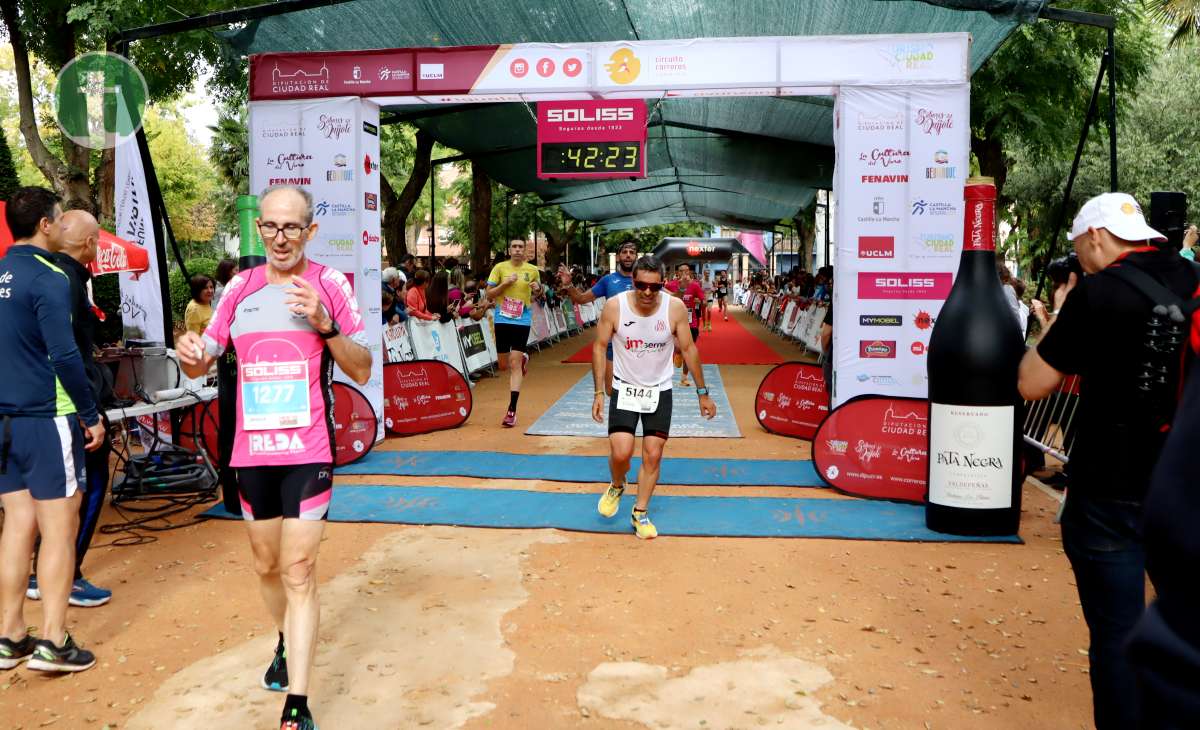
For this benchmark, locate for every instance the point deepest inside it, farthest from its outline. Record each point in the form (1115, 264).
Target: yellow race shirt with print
(513, 304)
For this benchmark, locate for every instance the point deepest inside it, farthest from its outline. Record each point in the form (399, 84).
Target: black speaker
(1168, 216)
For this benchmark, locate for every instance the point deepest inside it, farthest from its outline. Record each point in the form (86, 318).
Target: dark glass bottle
(975, 409)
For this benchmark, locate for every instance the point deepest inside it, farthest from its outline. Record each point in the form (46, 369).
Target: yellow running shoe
(642, 526)
(610, 500)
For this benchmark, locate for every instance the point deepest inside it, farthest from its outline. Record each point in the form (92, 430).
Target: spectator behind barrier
(438, 298)
(415, 300)
(199, 310)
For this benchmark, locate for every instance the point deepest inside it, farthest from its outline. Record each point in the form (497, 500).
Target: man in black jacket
(80, 238)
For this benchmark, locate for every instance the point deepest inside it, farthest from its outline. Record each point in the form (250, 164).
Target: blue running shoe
(276, 676)
(86, 595)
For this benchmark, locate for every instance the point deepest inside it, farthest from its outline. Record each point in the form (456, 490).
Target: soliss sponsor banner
(424, 396)
(330, 147)
(639, 69)
(875, 447)
(792, 400)
(902, 161)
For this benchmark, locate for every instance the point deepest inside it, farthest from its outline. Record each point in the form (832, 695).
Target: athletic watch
(701, 391)
(334, 331)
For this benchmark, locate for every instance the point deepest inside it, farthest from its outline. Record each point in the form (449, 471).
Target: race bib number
(274, 395)
(637, 398)
(512, 308)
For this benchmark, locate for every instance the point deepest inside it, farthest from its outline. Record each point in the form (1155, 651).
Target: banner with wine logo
(903, 155)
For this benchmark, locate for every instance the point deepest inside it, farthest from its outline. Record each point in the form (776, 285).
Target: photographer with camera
(1099, 328)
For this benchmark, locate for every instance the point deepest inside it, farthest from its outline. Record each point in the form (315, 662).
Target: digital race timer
(595, 138)
(623, 157)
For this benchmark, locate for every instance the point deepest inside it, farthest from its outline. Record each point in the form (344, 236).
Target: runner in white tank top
(642, 326)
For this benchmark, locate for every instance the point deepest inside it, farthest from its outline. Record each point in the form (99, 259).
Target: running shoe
(685, 382)
(66, 658)
(12, 653)
(510, 419)
(276, 676)
(610, 500)
(31, 591)
(86, 595)
(298, 722)
(642, 526)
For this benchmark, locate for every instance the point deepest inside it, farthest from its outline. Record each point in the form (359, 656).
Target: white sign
(141, 294)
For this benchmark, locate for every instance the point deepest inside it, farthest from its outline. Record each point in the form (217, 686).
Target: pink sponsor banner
(930, 286)
(752, 241)
(592, 138)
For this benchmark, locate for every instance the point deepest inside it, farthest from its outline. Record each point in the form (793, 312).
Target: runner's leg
(58, 521)
(652, 451)
(619, 455)
(265, 536)
(16, 544)
(298, 547)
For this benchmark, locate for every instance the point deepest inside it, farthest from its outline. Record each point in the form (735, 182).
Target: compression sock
(512, 399)
(296, 706)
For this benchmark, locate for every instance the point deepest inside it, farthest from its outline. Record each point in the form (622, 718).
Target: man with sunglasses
(642, 326)
(616, 282)
(290, 320)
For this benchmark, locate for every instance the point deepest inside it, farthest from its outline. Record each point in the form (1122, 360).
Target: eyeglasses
(291, 231)
(654, 287)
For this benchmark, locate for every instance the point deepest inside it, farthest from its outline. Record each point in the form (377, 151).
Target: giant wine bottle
(974, 353)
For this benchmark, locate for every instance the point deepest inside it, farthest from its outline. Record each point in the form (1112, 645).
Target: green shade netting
(747, 161)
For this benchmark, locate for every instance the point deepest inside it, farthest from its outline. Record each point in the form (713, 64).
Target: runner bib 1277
(275, 395)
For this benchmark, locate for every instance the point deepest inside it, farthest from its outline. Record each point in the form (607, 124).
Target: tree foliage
(8, 171)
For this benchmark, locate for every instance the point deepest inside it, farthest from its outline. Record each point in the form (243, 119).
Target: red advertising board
(876, 447)
(594, 139)
(354, 424)
(792, 400)
(336, 73)
(421, 396)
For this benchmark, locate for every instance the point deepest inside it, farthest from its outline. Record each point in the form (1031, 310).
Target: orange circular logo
(623, 67)
(1128, 209)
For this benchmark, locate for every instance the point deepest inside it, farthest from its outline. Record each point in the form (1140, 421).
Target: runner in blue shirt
(615, 283)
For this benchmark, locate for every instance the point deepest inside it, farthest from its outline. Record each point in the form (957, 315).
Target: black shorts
(695, 334)
(299, 491)
(512, 337)
(657, 423)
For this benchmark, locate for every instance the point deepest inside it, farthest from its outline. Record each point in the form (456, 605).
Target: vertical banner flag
(330, 147)
(141, 295)
(902, 159)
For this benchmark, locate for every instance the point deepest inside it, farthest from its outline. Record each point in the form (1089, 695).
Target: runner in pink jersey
(289, 322)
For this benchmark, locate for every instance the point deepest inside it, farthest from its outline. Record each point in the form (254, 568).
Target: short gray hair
(308, 198)
(390, 273)
(650, 262)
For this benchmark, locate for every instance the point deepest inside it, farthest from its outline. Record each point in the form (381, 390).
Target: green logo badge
(100, 100)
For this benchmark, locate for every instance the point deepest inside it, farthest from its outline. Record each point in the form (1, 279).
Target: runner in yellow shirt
(512, 285)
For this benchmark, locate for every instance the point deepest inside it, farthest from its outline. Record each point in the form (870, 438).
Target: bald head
(80, 235)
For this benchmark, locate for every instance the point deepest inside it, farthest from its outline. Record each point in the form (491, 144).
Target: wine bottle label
(979, 233)
(970, 456)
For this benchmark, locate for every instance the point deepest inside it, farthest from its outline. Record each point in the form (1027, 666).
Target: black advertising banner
(472, 339)
(354, 424)
(792, 400)
(876, 447)
(423, 396)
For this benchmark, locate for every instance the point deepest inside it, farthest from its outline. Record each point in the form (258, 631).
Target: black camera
(1168, 216)
(1059, 270)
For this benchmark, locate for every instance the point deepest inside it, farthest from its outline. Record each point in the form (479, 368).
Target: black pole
(1062, 209)
(507, 206)
(1112, 111)
(827, 227)
(432, 216)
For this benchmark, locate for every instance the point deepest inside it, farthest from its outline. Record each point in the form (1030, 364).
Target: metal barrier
(1049, 423)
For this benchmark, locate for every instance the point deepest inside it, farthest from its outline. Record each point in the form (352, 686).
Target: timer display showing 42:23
(568, 158)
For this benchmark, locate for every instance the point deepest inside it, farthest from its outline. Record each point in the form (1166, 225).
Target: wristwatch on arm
(334, 330)
(701, 391)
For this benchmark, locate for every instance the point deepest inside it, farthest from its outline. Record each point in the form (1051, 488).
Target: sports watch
(701, 391)
(334, 331)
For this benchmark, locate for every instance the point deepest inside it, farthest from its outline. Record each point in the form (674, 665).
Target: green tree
(185, 174)
(8, 171)
(1183, 14)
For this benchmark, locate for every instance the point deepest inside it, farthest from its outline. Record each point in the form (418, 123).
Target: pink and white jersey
(285, 372)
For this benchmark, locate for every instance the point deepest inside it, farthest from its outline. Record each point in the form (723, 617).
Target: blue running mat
(571, 415)
(566, 468)
(853, 519)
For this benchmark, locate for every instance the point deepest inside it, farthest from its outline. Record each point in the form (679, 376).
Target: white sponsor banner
(560, 320)
(689, 64)
(536, 67)
(396, 343)
(878, 60)
(902, 160)
(141, 294)
(436, 341)
(330, 147)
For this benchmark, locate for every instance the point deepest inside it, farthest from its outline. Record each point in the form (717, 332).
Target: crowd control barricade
(560, 321)
(1050, 422)
(569, 315)
(489, 335)
(789, 309)
(539, 326)
(588, 312)
(397, 345)
(474, 345)
(437, 341)
(812, 336)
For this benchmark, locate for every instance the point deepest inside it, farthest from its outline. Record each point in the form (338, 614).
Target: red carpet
(728, 344)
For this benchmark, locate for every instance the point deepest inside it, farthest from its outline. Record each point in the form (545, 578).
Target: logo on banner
(288, 160)
(696, 249)
(875, 379)
(545, 67)
(604, 114)
(924, 320)
(909, 56)
(344, 245)
(518, 68)
(339, 175)
(884, 179)
(918, 348)
(432, 71)
(925, 207)
(299, 81)
(623, 66)
(932, 123)
(904, 285)
(333, 127)
(370, 201)
(280, 132)
(944, 171)
(881, 122)
(369, 238)
(904, 421)
(572, 67)
(289, 181)
(878, 213)
(880, 320)
(837, 446)
(885, 157)
(876, 247)
(371, 129)
(393, 74)
(874, 349)
(336, 210)
(369, 164)
(937, 242)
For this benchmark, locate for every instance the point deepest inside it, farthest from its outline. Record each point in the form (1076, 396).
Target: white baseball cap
(1119, 213)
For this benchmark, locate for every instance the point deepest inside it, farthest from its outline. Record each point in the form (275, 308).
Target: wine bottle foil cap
(980, 188)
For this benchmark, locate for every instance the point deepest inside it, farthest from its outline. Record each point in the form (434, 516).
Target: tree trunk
(397, 207)
(992, 161)
(104, 187)
(481, 218)
(556, 242)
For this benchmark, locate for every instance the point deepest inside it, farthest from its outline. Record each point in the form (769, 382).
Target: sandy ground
(501, 629)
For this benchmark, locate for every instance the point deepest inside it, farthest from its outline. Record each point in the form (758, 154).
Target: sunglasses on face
(654, 287)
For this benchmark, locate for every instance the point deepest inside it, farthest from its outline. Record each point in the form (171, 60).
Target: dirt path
(509, 630)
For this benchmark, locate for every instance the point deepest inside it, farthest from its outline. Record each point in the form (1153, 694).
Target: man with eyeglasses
(289, 320)
(643, 326)
(616, 282)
